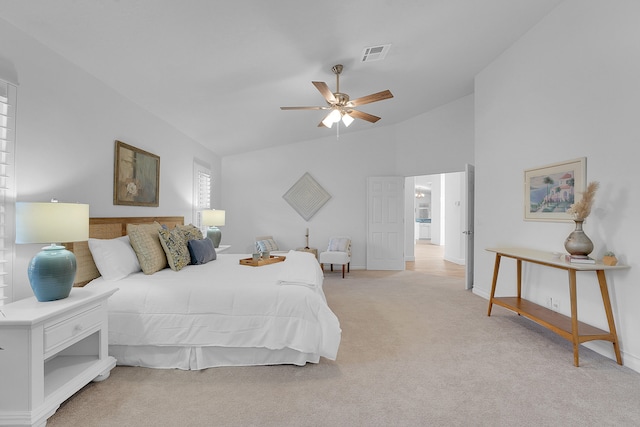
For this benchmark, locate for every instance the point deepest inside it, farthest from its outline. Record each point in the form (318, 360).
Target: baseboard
(606, 349)
(481, 293)
(601, 347)
(459, 261)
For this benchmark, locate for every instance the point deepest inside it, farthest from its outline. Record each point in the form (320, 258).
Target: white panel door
(385, 223)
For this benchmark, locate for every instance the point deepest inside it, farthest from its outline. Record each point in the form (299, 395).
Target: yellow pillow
(146, 244)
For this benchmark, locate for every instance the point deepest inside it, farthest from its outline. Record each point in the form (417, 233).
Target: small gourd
(609, 258)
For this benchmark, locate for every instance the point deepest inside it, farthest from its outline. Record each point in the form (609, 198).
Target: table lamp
(51, 271)
(213, 219)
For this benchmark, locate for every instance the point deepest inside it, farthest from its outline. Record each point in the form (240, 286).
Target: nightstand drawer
(60, 332)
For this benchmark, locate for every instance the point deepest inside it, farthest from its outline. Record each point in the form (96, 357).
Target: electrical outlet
(555, 304)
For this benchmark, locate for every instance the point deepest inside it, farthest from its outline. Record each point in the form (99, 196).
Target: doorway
(435, 211)
(429, 258)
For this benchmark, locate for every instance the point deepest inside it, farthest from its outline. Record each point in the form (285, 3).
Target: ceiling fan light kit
(342, 108)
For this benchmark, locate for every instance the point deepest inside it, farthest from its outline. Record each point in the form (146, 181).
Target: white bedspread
(225, 304)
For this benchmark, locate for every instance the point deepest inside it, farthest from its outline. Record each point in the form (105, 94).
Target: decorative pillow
(201, 251)
(175, 248)
(339, 244)
(145, 241)
(114, 258)
(267, 245)
(191, 232)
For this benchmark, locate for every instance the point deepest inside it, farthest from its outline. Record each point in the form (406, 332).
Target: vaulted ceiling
(219, 71)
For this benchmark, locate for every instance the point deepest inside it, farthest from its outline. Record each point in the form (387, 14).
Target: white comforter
(225, 304)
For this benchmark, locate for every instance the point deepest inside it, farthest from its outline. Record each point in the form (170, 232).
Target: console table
(567, 327)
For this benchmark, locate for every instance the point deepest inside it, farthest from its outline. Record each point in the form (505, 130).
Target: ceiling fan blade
(385, 94)
(363, 116)
(325, 91)
(304, 108)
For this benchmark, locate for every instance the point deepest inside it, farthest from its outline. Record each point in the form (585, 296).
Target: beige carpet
(417, 350)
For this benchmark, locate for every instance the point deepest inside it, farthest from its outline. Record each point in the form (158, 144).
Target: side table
(49, 351)
(314, 251)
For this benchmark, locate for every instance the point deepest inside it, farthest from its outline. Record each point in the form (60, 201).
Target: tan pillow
(146, 243)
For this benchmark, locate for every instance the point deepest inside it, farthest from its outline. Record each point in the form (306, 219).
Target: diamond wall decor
(306, 196)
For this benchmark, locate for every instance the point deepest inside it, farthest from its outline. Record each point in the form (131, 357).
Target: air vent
(375, 53)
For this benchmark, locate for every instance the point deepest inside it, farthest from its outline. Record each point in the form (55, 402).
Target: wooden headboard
(109, 228)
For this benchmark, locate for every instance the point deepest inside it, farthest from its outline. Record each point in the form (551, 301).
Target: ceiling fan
(342, 108)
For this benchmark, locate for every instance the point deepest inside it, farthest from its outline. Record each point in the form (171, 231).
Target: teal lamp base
(51, 273)
(215, 235)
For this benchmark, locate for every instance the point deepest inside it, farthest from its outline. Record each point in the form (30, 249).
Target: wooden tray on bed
(260, 262)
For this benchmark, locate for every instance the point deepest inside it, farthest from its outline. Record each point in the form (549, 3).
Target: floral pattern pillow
(175, 248)
(190, 232)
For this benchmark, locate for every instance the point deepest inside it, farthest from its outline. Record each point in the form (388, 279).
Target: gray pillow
(201, 251)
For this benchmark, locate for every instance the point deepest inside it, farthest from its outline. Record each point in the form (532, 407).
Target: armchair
(338, 252)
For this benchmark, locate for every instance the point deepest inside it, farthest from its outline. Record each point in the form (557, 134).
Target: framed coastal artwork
(136, 178)
(550, 190)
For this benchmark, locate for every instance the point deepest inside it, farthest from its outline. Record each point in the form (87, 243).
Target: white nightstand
(49, 351)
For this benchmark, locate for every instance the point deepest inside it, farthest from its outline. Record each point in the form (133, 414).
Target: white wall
(569, 88)
(67, 122)
(438, 141)
(254, 183)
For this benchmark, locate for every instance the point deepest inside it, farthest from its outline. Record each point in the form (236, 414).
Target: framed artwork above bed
(136, 177)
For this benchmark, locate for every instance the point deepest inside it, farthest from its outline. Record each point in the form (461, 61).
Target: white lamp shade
(51, 222)
(347, 119)
(333, 117)
(213, 217)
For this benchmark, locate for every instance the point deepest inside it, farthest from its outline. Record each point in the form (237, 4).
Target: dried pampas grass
(582, 209)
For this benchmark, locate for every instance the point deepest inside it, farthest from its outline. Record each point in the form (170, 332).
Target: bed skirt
(195, 358)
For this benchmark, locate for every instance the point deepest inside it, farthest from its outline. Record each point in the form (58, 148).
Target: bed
(219, 313)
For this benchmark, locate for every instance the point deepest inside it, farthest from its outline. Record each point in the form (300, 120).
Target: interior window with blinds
(201, 191)
(8, 94)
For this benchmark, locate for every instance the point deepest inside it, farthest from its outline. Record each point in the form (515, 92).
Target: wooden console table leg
(602, 280)
(519, 273)
(574, 316)
(496, 267)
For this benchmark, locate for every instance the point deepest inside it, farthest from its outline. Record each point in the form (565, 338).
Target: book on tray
(580, 259)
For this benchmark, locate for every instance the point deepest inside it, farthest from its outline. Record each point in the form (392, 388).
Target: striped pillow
(267, 245)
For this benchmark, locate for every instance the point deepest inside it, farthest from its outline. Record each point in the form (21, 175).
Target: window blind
(201, 191)
(8, 95)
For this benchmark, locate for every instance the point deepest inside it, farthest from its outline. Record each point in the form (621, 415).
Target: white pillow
(339, 244)
(114, 258)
